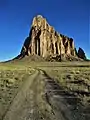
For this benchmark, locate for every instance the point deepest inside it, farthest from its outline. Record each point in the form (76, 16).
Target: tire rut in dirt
(65, 105)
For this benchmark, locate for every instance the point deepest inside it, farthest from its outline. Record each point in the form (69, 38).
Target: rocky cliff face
(43, 40)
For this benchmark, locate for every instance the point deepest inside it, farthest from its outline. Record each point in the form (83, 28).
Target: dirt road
(41, 98)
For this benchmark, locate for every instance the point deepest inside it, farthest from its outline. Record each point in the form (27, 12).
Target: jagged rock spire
(43, 40)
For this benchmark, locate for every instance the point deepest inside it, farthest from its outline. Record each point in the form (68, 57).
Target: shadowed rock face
(81, 53)
(43, 40)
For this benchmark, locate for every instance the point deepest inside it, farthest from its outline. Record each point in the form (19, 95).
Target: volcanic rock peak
(43, 40)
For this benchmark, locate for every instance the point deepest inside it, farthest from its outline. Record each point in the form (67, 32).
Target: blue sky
(69, 17)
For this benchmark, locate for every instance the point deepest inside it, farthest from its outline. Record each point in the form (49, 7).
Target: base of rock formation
(50, 58)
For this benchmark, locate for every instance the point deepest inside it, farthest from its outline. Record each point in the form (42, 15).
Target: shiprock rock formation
(44, 41)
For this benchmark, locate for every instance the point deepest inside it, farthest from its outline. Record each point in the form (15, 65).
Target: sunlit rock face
(43, 40)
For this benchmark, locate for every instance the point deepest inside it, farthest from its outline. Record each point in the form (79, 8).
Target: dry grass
(74, 79)
(11, 78)
(72, 76)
